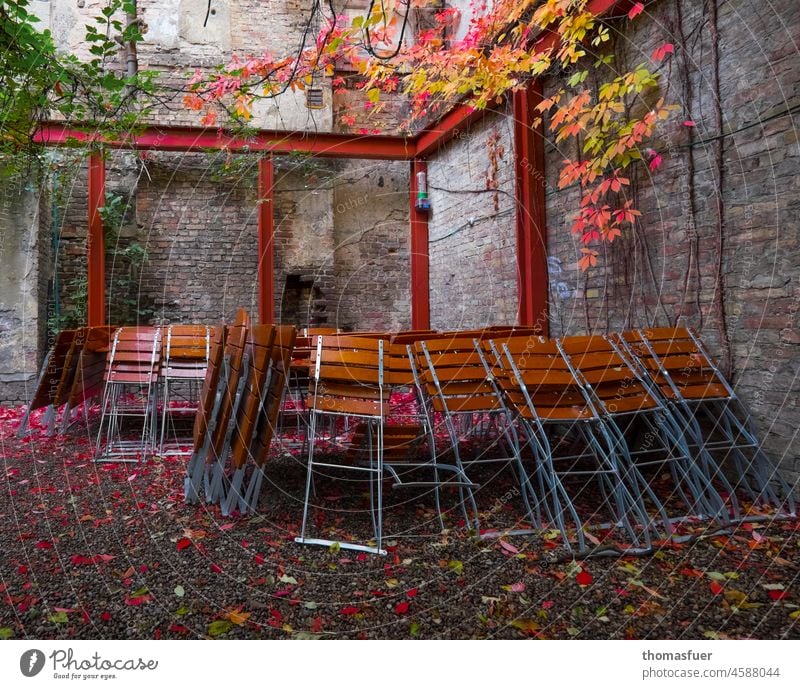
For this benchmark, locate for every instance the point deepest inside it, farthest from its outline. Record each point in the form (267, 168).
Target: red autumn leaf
(316, 625)
(44, 545)
(662, 51)
(81, 560)
(635, 10)
(691, 572)
(584, 578)
(105, 616)
(412, 593)
(178, 629)
(546, 605)
(259, 559)
(138, 600)
(349, 610)
(401, 608)
(777, 594)
(688, 123)
(216, 568)
(716, 588)
(655, 162)
(184, 543)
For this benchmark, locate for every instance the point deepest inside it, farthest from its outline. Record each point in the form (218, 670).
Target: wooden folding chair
(569, 440)
(185, 359)
(714, 419)
(251, 446)
(88, 377)
(348, 382)
(130, 391)
(48, 381)
(652, 436)
(236, 362)
(205, 419)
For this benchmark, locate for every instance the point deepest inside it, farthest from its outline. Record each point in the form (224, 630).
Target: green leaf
(335, 547)
(180, 591)
(183, 610)
(357, 22)
(374, 95)
(58, 618)
(6, 633)
(414, 629)
(456, 566)
(219, 627)
(286, 579)
(311, 605)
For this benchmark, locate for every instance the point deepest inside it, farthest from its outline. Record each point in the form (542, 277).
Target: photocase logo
(31, 662)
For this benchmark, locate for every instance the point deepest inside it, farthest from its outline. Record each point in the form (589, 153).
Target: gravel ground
(110, 551)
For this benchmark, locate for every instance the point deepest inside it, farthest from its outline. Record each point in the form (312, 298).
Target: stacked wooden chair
(185, 359)
(348, 382)
(130, 392)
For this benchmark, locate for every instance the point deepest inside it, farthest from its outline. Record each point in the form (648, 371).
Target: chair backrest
(241, 318)
(208, 393)
(135, 356)
(232, 369)
(260, 341)
(537, 380)
(70, 367)
(616, 386)
(453, 377)
(347, 376)
(91, 365)
(53, 371)
(677, 363)
(280, 362)
(319, 330)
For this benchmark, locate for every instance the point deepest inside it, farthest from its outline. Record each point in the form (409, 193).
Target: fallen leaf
(716, 587)
(584, 578)
(237, 617)
(183, 543)
(219, 627)
(180, 591)
(401, 608)
(349, 610)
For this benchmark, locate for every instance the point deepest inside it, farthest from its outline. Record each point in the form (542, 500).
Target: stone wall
(667, 267)
(473, 274)
(23, 286)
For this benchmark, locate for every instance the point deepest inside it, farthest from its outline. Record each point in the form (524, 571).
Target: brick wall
(644, 277)
(471, 229)
(371, 256)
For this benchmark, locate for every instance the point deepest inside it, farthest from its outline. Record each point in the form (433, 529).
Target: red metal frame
(532, 279)
(420, 266)
(158, 138)
(95, 244)
(266, 244)
(531, 230)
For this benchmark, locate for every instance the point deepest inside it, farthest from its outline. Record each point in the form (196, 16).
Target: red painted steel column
(95, 242)
(531, 221)
(266, 245)
(420, 269)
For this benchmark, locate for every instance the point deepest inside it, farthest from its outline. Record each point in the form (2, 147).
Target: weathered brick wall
(200, 233)
(473, 274)
(659, 272)
(371, 256)
(21, 282)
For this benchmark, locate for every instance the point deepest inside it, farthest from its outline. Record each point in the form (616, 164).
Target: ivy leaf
(636, 10)
(6, 633)
(456, 566)
(58, 618)
(584, 578)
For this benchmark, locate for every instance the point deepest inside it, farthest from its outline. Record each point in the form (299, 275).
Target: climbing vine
(506, 43)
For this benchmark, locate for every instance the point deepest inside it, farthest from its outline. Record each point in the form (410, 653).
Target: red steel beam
(420, 266)
(158, 138)
(532, 279)
(95, 242)
(266, 244)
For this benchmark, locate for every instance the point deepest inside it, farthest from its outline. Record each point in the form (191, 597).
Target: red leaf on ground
(216, 568)
(316, 625)
(81, 560)
(183, 543)
(178, 629)
(778, 595)
(105, 616)
(584, 578)
(412, 593)
(716, 588)
(401, 608)
(44, 545)
(138, 600)
(259, 559)
(349, 610)
(690, 572)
